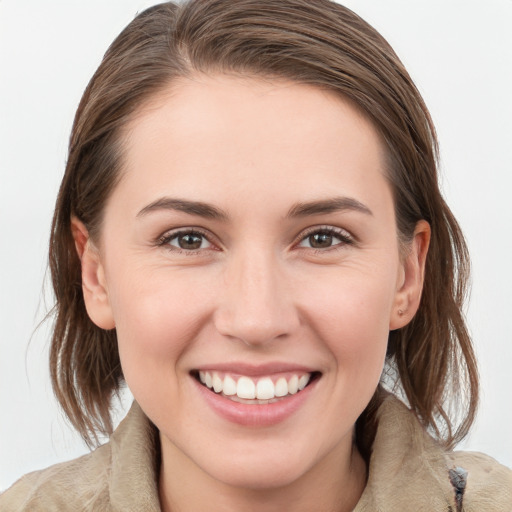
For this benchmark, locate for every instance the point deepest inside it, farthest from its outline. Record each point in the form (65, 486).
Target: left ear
(410, 281)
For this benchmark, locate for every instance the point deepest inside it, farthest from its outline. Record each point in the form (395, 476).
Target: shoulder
(488, 484)
(409, 469)
(78, 483)
(120, 475)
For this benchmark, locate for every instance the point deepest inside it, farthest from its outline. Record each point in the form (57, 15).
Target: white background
(458, 51)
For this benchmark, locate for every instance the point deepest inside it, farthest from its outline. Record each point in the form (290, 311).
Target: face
(251, 244)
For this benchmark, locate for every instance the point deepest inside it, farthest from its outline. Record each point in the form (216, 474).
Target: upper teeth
(262, 389)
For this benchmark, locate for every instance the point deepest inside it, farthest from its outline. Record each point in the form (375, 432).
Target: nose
(255, 304)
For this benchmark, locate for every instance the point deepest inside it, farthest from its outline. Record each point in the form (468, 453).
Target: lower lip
(255, 415)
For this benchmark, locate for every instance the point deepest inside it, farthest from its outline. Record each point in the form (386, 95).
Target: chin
(258, 475)
(264, 463)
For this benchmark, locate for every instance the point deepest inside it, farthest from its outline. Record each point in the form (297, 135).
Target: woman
(248, 231)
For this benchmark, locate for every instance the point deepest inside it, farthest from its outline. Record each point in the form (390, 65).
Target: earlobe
(94, 284)
(412, 275)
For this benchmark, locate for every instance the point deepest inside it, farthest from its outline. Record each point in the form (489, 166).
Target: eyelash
(166, 239)
(342, 235)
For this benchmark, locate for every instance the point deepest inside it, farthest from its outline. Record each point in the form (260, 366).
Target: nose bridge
(256, 306)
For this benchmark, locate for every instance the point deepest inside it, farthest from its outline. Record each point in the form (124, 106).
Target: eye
(189, 240)
(325, 238)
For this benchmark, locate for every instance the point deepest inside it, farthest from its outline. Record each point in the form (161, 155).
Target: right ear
(94, 284)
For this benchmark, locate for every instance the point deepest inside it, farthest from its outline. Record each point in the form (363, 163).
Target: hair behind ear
(84, 361)
(433, 354)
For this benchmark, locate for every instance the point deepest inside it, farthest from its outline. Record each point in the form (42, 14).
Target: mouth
(252, 390)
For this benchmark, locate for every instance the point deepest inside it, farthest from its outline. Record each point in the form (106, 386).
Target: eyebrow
(208, 211)
(198, 208)
(335, 204)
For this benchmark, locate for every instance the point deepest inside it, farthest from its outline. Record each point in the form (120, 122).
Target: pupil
(190, 241)
(320, 240)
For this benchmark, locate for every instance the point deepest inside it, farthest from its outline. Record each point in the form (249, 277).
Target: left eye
(324, 239)
(189, 241)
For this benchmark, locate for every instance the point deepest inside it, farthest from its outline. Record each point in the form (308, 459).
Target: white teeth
(229, 386)
(293, 385)
(217, 383)
(303, 382)
(246, 388)
(265, 389)
(281, 387)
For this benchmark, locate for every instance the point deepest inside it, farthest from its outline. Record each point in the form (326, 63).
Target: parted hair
(430, 362)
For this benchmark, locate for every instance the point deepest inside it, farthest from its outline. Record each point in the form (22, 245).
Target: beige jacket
(408, 472)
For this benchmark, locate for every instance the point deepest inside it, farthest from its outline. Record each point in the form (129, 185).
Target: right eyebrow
(197, 208)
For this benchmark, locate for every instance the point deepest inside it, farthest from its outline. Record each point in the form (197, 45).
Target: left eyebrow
(335, 204)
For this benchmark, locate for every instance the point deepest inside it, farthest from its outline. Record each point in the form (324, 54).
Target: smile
(255, 397)
(256, 391)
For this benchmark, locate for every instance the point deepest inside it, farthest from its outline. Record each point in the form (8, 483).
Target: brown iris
(190, 241)
(320, 240)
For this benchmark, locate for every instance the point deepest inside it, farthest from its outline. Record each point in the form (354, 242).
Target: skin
(256, 290)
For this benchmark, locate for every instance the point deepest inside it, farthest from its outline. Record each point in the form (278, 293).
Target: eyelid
(345, 236)
(167, 236)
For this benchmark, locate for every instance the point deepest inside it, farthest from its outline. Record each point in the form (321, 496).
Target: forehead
(221, 135)
(282, 110)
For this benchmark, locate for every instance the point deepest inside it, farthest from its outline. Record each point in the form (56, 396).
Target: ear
(411, 277)
(94, 285)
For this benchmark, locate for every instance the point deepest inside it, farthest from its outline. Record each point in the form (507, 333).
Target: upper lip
(252, 370)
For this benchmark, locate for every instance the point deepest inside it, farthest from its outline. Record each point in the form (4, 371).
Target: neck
(334, 485)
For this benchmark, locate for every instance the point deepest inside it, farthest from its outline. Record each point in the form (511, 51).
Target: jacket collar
(135, 464)
(408, 469)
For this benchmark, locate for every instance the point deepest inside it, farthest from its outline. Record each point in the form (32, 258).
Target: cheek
(157, 318)
(351, 316)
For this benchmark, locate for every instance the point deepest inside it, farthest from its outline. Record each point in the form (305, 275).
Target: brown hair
(320, 43)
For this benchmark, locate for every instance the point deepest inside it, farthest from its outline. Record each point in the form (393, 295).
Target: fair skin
(294, 270)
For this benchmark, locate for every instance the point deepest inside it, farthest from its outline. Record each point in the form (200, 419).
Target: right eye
(186, 240)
